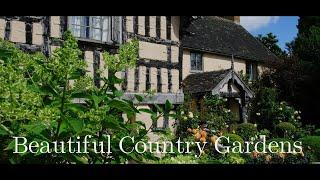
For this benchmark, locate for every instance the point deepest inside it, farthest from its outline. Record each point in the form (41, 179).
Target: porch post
(244, 114)
(244, 109)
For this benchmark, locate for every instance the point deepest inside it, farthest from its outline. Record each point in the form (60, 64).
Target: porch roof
(212, 81)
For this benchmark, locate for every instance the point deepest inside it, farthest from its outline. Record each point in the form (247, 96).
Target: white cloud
(252, 23)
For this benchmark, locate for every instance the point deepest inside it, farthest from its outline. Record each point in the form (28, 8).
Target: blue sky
(284, 27)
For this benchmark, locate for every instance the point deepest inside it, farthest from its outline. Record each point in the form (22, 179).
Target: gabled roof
(220, 36)
(212, 81)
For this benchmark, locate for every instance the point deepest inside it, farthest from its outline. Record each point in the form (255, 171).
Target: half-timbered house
(205, 53)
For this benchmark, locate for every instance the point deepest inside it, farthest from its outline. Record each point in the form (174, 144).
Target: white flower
(227, 126)
(225, 99)
(182, 112)
(298, 117)
(299, 112)
(292, 117)
(229, 110)
(255, 125)
(280, 108)
(190, 115)
(296, 112)
(185, 118)
(258, 114)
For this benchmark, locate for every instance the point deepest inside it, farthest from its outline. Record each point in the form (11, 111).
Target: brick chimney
(235, 19)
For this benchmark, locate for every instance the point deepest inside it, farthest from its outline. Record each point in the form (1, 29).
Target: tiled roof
(203, 82)
(220, 36)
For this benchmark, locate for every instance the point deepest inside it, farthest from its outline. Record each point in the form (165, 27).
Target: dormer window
(196, 62)
(105, 29)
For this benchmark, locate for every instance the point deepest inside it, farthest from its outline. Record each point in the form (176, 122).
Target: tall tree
(297, 77)
(307, 44)
(307, 49)
(270, 41)
(305, 23)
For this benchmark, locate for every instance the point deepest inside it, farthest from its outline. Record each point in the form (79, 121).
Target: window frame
(252, 70)
(109, 30)
(201, 59)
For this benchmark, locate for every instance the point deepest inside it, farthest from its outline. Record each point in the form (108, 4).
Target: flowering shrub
(268, 112)
(286, 113)
(215, 113)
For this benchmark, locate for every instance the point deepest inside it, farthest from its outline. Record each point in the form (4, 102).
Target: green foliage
(270, 41)
(180, 159)
(265, 132)
(295, 76)
(247, 130)
(187, 159)
(39, 102)
(187, 118)
(126, 58)
(232, 139)
(305, 22)
(268, 112)
(277, 158)
(317, 132)
(307, 45)
(216, 113)
(263, 106)
(213, 114)
(235, 158)
(285, 129)
(311, 144)
(278, 140)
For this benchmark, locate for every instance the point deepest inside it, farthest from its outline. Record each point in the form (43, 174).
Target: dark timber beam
(152, 39)
(157, 63)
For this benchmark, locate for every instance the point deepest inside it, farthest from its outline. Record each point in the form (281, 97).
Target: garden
(53, 99)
